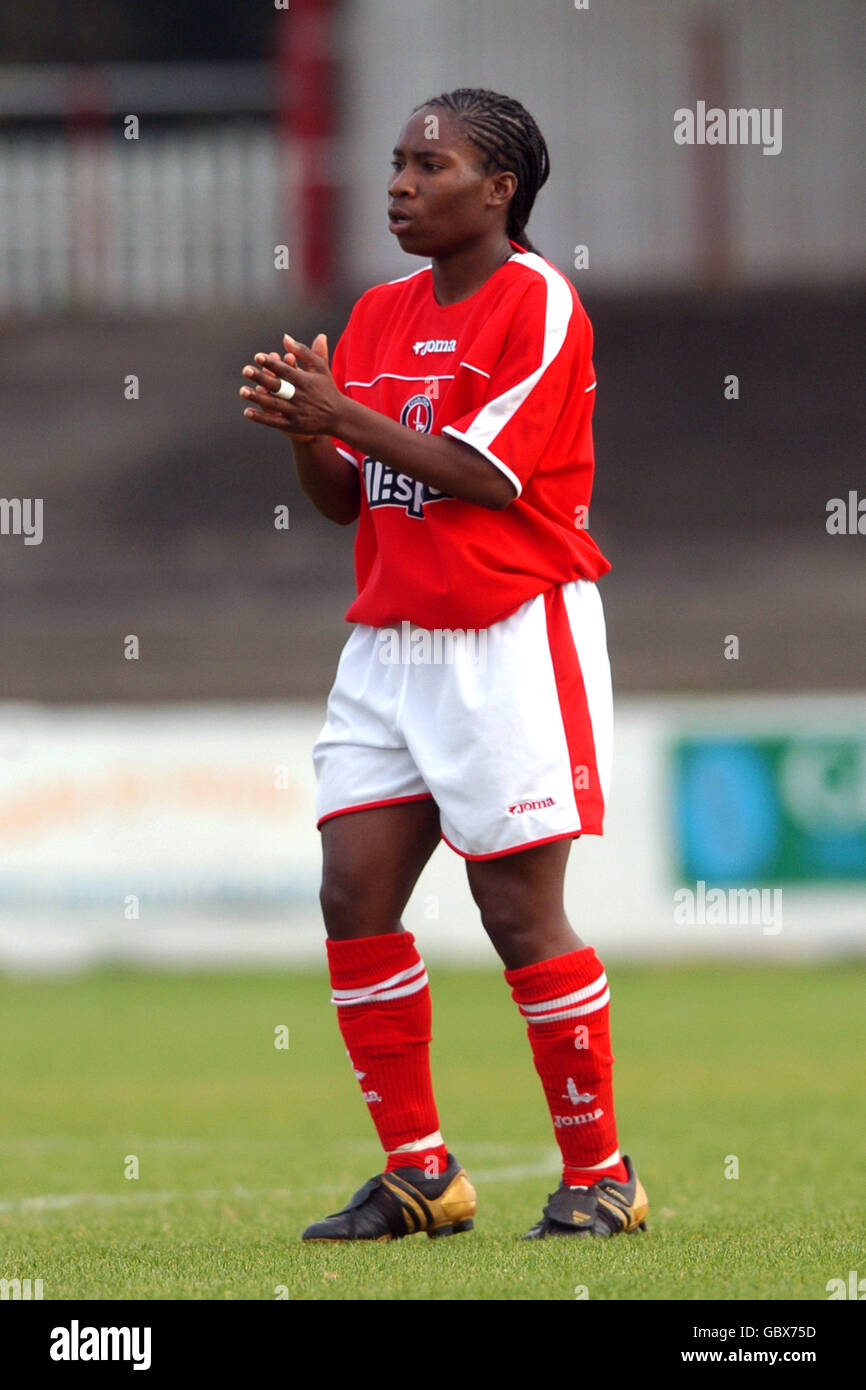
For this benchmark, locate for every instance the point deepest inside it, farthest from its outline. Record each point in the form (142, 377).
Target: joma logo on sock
(574, 1095)
(371, 1097)
(561, 1121)
(518, 808)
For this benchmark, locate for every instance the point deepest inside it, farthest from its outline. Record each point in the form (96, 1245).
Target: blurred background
(178, 187)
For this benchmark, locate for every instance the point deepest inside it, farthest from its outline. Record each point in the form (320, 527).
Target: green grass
(240, 1144)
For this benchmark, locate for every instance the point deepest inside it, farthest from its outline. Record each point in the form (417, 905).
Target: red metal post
(306, 93)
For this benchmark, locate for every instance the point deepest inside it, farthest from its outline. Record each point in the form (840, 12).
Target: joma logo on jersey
(385, 488)
(421, 349)
(519, 807)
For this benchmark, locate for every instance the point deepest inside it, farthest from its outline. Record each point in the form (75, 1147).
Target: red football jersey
(509, 371)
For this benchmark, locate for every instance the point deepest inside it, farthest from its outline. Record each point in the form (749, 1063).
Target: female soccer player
(455, 426)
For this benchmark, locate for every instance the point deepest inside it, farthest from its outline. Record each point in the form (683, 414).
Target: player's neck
(460, 275)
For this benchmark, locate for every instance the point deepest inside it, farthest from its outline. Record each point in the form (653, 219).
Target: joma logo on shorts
(563, 1120)
(519, 807)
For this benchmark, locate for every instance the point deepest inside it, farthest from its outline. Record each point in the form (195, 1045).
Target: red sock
(383, 1008)
(565, 1003)
(432, 1160)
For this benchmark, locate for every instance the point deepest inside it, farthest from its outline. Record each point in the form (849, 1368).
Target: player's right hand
(262, 406)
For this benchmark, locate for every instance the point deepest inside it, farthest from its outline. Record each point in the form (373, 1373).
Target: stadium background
(157, 812)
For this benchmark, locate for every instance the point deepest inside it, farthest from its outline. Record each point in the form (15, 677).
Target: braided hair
(508, 140)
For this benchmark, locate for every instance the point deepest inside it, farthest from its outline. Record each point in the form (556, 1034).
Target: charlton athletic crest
(417, 413)
(385, 487)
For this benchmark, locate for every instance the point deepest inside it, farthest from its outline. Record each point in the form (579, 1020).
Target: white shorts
(508, 728)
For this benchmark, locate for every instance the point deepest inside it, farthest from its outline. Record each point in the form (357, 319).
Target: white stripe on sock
(430, 1141)
(606, 1163)
(380, 984)
(573, 1013)
(380, 994)
(576, 998)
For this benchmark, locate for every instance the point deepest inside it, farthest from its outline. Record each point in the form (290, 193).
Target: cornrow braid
(508, 139)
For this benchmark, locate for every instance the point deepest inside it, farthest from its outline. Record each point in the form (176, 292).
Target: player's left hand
(315, 406)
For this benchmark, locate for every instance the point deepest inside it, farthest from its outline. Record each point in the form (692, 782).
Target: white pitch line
(547, 1167)
(62, 1201)
(34, 1145)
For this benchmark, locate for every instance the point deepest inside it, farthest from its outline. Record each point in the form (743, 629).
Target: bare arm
(435, 459)
(329, 480)
(319, 409)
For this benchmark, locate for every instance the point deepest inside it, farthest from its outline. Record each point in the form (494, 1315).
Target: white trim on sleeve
(473, 443)
(495, 415)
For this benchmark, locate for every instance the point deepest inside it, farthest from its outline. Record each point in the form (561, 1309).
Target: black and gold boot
(605, 1209)
(402, 1203)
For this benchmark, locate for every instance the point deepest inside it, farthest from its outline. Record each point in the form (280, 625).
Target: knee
(523, 931)
(515, 943)
(522, 939)
(505, 914)
(355, 905)
(339, 897)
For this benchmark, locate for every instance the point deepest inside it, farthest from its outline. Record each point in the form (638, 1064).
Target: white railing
(181, 219)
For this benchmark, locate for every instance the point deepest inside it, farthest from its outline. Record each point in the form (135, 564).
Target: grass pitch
(239, 1144)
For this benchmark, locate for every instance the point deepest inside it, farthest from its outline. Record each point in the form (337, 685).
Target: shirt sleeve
(338, 372)
(543, 346)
